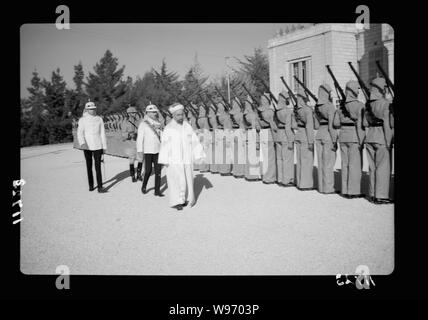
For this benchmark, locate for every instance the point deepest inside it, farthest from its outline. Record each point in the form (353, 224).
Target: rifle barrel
(307, 90)
(363, 86)
(336, 84)
(387, 79)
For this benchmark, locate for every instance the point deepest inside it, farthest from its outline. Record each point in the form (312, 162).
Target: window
(300, 69)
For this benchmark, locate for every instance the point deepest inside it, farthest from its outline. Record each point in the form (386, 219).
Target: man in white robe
(180, 149)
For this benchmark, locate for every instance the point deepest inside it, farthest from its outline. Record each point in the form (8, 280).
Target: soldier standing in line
(304, 143)
(203, 128)
(194, 123)
(213, 122)
(378, 142)
(326, 139)
(285, 144)
(269, 169)
(251, 118)
(225, 121)
(238, 169)
(351, 139)
(129, 137)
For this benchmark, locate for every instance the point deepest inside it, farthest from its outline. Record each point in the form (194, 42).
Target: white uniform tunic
(91, 130)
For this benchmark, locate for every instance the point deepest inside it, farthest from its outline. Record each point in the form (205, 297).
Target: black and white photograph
(207, 149)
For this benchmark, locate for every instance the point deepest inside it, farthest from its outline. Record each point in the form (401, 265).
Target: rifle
(212, 102)
(241, 105)
(293, 97)
(190, 107)
(342, 94)
(253, 102)
(363, 86)
(206, 105)
(268, 91)
(306, 89)
(389, 83)
(226, 104)
(251, 96)
(311, 95)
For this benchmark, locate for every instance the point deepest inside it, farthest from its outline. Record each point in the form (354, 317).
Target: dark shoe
(91, 188)
(344, 195)
(143, 190)
(354, 196)
(332, 192)
(185, 204)
(370, 199)
(288, 185)
(225, 174)
(269, 182)
(159, 194)
(305, 189)
(102, 190)
(178, 207)
(382, 201)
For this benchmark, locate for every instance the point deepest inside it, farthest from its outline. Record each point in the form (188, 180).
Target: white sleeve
(81, 132)
(140, 138)
(164, 148)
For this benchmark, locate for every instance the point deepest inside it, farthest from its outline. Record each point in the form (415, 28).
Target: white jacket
(147, 141)
(91, 131)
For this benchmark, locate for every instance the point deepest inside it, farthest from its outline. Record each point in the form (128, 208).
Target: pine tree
(106, 85)
(55, 113)
(255, 67)
(194, 81)
(166, 88)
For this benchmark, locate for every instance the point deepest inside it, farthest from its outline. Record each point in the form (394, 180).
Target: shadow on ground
(199, 182)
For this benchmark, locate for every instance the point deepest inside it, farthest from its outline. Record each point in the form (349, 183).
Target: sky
(138, 46)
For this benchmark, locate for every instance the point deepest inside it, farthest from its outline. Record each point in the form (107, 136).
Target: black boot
(139, 168)
(132, 172)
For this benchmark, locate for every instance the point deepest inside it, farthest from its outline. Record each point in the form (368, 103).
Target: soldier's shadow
(116, 179)
(199, 183)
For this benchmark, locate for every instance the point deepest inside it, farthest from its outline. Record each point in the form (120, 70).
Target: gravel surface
(236, 227)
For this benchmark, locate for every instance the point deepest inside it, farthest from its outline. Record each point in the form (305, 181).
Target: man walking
(92, 138)
(180, 148)
(148, 142)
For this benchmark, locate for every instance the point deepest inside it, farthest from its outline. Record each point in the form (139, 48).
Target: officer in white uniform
(148, 142)
(92, 139)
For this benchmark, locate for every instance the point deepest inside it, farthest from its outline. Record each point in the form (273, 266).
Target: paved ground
(236, 227)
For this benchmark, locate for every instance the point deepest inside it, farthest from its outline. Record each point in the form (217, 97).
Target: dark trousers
(97, 157)
(149, 159)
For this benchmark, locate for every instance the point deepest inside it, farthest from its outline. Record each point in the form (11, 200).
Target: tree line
(47, 113)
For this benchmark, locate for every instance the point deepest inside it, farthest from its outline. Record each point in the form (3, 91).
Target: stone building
(304, 51)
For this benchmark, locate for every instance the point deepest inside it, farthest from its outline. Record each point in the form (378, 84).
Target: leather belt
(323, 123)
(301, 125)
(376, 125)
(347, 124)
